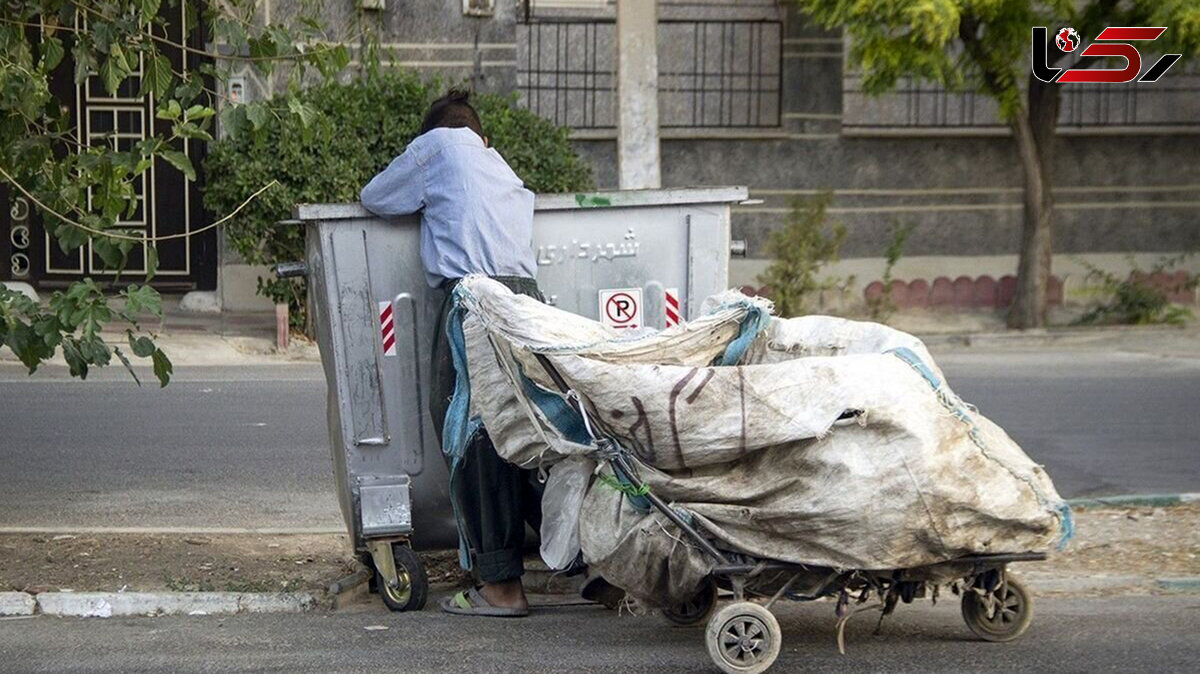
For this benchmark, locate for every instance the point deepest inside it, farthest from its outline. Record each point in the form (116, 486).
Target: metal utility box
(630, 258)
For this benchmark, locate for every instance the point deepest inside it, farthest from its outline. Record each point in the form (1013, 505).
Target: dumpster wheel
(400, 576)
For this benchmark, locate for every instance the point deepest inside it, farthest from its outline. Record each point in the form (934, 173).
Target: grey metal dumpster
(630, 259)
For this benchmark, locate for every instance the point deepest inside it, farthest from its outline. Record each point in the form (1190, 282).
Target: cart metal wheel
(1000, 615)
(695, 610)
(410, 588)
(743, 638)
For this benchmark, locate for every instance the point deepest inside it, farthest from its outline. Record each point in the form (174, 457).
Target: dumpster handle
(291, 269)
(378, 355)
(418, 382)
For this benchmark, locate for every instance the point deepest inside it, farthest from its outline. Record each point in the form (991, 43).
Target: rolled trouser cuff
(499, 566)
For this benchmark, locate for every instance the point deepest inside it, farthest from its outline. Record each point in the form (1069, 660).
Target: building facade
(751, 94)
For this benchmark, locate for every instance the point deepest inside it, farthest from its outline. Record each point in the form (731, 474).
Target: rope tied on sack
(623, 487)
(958, 408)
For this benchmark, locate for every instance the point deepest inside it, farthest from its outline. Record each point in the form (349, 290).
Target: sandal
(471, 602)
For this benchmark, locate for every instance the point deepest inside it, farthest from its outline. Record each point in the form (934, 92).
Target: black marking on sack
(675, 392)
(645, 453)
(708, 374)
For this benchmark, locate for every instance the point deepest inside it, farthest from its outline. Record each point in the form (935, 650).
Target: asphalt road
(220, 447)
(1103, 423)
(1127, 634)
(247, 446)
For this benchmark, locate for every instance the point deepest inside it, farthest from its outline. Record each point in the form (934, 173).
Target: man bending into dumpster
(476, 218)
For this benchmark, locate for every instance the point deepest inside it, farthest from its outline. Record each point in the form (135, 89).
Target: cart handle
(620, 463)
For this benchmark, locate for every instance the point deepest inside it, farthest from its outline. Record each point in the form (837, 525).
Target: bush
(881, 308)
(1133, 299)
(800, 248)
(354, 130)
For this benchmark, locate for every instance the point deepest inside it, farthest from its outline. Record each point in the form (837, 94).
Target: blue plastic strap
(561, 415)
(752, 323)
(914, 361)
(569, 424)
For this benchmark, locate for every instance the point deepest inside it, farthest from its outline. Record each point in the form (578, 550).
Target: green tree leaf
(198, 112)
(162, 367)
(109, 251)
(171, 110)
(258, 114)
(85, 61)
(180, 161)
(157, 76)
(142, 298)
(233, 120)
(190, 130)
(151, 262)
(76, 361)
(128, 366)
(149, 8)
(52, 53)
(142, 347)
(114, 70)
(305, 112)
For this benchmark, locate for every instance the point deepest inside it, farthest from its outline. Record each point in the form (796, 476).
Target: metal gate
(167, 203)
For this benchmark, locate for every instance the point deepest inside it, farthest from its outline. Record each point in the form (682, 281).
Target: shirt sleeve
(398, 190)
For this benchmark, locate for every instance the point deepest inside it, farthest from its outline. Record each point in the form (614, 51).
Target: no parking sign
(621, 307)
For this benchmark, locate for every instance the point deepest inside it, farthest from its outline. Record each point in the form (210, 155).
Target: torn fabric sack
(813, 440)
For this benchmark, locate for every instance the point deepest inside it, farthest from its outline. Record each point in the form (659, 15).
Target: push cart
(645, 254)
(743, 636)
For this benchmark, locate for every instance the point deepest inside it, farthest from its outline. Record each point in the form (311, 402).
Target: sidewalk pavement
(248, 338)
(1130, 550)
(207, 339)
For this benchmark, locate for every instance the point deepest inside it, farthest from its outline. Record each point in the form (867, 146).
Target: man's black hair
(453, 111)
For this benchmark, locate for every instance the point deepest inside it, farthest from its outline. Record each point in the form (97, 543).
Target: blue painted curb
(1179, 584)
(1136, 500)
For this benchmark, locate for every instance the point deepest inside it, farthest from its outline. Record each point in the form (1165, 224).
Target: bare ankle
(506, 593)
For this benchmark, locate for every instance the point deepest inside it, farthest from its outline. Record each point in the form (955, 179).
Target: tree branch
(968, 33)
(113, 235)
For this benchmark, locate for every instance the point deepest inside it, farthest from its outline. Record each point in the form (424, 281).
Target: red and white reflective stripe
(671, 304)
(387, 328)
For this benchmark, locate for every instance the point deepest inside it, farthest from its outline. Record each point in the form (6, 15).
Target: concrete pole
(637, 94)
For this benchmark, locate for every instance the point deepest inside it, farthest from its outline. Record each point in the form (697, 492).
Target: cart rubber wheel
(695, 610)
(413, 586)
(1011, 613)
(743, 638)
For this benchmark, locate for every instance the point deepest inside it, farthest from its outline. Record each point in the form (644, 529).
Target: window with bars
(712, 74)
(1173, 101)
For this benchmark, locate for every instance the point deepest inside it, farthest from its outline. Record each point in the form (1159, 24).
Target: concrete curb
(1042, 336)
(1136, 501)
(16, 604)
(113, 604)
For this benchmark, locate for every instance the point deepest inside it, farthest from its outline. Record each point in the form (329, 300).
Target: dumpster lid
(562, 202)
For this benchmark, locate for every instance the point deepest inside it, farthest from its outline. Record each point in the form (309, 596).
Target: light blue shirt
(476, 215)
